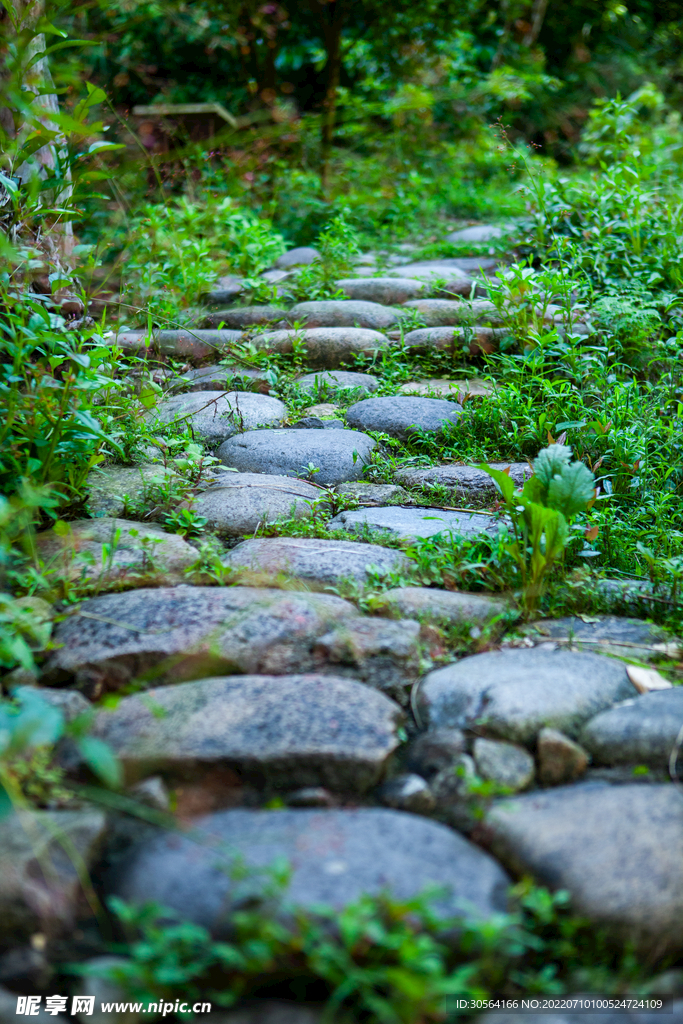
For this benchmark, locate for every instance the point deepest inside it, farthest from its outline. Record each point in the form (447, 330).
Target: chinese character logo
(28, 1006)
(83, 1004)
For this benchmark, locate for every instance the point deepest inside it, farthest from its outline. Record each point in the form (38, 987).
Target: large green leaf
(571, 491)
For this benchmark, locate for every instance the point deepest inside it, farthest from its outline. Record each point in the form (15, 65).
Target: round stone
(467, 482)
(448, 278)
(195, 345)
(325, 346)
(385, 290)
(301, 256)
(335, 857)
(477, 233)
(401, 416)
(223, 378)
(440, 606)
(450, 313)
(295, 730)
(503, 763)
(639, 731)
(513, 694)
(344, 313)
(246, 500)
(474, 339)
(244, 317)
(409, 523)
(335, 380)
(338, 455)
(320, 563)
(215, 417)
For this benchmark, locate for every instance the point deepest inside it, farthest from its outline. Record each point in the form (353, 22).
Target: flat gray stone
(117, 553)
(320, 563)
(109, 485)
(468, 482)
(456, 390)
(174, 634)
(330, 381)
(643, 730)
(374, 494)
(335, 857)
(560, 760)
(40, 889)
(214, 417)
(300, 256)
(344, 313)
(450, 313)
(325, 346)
(432, 272)
(506, 764)
(241, 318)
(608, 634)
(400, 415)
(223, 378)
(440, 606)
(513, 694)
(195, 344)
(410, 523)
(473, 339)
(242, 501)
(287, 731)
(339, 455)
(477, 233)
(226, 289)
(616, 849)
(385, 290)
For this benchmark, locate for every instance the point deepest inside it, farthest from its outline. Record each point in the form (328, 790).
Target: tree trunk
(332, 17)
(537, 15)
(38, 80)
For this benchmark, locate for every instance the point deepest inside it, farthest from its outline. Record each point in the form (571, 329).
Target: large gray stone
(379, 652)
(643, 730)
(374, 494)
(116, 553)
(616, 849)
(451, 312)
(608, 634)
(335, 857)
(286, 731)
(195, 345)
(409, 523)
(242, 501)
(327, 381)
(174, 634)
(402, 415)
(477, 233)
(110, 485)
(443, 607)
(243, 317)
(223, 378)
(344, 313)
(319, 563)
(325, 346)
(214, 417)
(449, 278)
(339, 455)
(467, 481)
(513, 694)
(385, 290)
(40, 890)
(474, 339)
(301, 256)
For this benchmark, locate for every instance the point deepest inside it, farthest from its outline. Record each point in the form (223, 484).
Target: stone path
(352, 709)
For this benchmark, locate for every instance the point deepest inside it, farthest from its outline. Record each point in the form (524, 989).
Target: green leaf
(505, 483)
(101, 758)
(571, 491)
(551, 461)
(6, 805)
